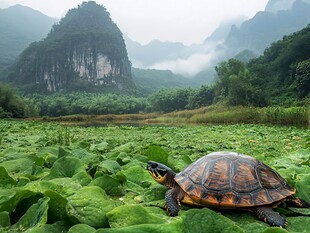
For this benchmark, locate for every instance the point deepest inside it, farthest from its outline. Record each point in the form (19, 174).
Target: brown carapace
(227, 180)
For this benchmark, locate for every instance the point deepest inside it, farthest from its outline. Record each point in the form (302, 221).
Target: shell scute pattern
(231, 180)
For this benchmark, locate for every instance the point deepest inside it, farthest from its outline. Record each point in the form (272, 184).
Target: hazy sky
(186, 21)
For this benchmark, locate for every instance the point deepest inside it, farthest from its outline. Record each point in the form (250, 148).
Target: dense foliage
(12, 105)
(73, 179)
(282, 67)
(83, 103)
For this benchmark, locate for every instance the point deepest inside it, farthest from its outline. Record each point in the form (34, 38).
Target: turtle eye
(154, 165)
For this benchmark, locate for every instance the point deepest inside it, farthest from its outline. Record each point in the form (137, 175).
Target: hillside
(283, 70)
(240, 38)
(150, 80)
(20, 26)
(265, 27)
(84, 51)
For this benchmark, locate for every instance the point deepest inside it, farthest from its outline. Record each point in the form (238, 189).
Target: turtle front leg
(267, 215)
(172, 201)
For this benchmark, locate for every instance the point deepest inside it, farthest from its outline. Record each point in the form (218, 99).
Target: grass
(236, 115)
(298, 116)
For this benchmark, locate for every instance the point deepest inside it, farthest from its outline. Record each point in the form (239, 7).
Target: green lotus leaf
(302, 211)
(49, 228)
(67, 185)
(254, 227)
(110, 184)
(22, 181)
(275, 230)
(302, 184)
(206, 220)
(127, 215)
(18, 167)
(13, 198)
(5, 195)
(139, 176)
(85, 156)
(174, 227)
(69, 167)
(5, 219)
(35, 216)
(123, 158)
(89, 205)
(12, 154)
(154, 192)
(5, 179)
(156, 153)
(63, 186)
(82, 177)
(109, 166)
(101, 147)
(126, 147)
(82, 228)
(57, 206)
(298, 224)
(48, 152)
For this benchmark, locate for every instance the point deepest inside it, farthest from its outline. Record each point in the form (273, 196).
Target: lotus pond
(93, 179)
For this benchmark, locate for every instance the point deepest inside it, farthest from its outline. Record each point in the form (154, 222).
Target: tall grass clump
(251, 115)
(227, 115)
(286, 116)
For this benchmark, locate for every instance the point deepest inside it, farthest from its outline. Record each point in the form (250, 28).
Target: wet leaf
(35, 216)
(89, 205)
(206, 220)
(111, 185)
(128, 215)
(82, 228)
(5, 179)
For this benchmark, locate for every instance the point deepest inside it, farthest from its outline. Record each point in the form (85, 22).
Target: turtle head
(161, 173)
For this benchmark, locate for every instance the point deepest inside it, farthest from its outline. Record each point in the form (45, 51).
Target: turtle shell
(232, 180)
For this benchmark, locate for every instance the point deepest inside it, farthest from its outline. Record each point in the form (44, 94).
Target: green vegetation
(273, 88)
(150, 80)
(13, 106)
(74, 179)
(236, 115)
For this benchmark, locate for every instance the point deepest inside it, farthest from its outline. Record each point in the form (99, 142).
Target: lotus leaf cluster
(56, 178)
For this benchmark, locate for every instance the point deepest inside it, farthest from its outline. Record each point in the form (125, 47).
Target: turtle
(227, 180)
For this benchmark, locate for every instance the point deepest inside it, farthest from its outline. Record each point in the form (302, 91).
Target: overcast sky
(186, 21)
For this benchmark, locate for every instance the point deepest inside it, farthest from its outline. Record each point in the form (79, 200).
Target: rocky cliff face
(85, 49)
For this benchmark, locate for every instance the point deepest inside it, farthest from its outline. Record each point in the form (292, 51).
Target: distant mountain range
(240, 38)
(268, 26)
(244, 39)
(20, 26)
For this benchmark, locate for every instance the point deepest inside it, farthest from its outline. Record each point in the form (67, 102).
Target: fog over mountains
(239, 37)
(20, 26)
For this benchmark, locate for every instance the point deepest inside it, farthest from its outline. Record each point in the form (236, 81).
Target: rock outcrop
(84, 50)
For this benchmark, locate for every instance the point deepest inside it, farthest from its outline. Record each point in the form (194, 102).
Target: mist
(193, 64)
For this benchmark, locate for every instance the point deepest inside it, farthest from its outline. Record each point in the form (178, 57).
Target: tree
(11, 105)
(202, 96)
(303, 78)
